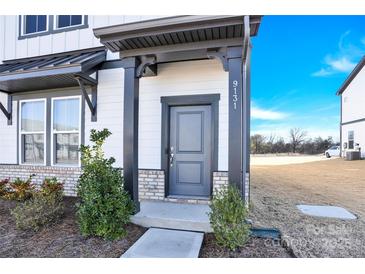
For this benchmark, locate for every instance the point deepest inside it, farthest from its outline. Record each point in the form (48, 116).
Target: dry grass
(276, 190)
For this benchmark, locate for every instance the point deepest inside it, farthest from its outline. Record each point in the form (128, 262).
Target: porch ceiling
(50, 71)
(173, 34)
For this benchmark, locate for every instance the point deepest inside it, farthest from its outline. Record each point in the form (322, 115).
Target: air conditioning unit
(353, 155)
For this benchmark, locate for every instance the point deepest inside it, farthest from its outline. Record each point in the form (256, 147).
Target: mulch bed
(62, 239)
(254, 248)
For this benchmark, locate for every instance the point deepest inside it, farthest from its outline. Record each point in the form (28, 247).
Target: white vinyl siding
(8, 134)
(180, 78)
(353, 99)
(359, 136)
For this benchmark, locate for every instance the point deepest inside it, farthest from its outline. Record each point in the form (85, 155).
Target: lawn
(276, 190)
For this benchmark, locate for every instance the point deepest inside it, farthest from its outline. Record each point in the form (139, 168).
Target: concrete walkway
(169, 215)
(165, 243)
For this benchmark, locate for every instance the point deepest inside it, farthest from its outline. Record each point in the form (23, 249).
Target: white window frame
(60, 132)
(55, 23)
(353, 139)
(23, 22)
(44, 100)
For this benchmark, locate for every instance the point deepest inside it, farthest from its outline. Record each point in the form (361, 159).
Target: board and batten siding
(353, 99)
(12, 48)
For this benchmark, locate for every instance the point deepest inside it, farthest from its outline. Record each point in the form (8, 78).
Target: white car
(332, 151)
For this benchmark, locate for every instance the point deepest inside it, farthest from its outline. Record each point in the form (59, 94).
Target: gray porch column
(130, 128)
(235, 151)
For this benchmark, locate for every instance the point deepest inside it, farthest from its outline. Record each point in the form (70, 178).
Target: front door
(190, 150)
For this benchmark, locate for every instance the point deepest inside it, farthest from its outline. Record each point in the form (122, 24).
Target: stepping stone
(166, 243)
(326, 211)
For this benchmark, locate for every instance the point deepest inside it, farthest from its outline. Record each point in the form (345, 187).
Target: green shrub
(43, 209)
(21, 190)
(105, 207)
(4, 187)
(51, 186)
(228, 218)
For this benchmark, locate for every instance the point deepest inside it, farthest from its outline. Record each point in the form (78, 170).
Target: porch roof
(50, 71)
(178, 33)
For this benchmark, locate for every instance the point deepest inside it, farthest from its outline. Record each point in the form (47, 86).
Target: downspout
(246, 109)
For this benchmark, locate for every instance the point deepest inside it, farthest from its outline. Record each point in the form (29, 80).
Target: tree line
(297, 142)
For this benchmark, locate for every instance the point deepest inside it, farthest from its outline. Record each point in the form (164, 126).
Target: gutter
(245, 74)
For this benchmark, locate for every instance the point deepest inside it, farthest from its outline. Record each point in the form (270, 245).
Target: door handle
(171, 156)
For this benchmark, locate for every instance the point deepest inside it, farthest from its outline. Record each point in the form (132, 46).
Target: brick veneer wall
(220, 180)
(151, 183)
(67, 175)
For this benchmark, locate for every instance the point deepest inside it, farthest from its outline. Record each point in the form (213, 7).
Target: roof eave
(351, 76)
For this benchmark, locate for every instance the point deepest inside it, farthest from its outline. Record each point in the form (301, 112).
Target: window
(351, 139)
(64, 21)
(32, 131)
(66, 123)
(34, 24)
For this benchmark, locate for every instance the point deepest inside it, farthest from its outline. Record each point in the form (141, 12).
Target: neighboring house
(174, 92)
(352, 94)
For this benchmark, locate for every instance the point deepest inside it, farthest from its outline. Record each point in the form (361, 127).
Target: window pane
(67, 145)
(32, 116)
(42, 23)
(76, 20)
(64, 21)
(33, 148)
(30, 24)
(66, 114)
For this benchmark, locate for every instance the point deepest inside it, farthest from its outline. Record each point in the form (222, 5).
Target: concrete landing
(164, 243)
(326, 211)
(173, 216)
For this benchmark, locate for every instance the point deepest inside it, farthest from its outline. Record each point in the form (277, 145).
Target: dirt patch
(276, 190)
(254, 248)
(59, 240)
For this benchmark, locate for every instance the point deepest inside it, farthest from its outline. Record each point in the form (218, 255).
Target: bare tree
(257, 142)
(297, 137)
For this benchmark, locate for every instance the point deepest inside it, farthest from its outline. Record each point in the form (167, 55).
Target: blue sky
(298, 63)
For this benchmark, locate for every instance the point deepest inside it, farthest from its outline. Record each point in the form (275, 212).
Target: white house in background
(174, 92)
(352, 94)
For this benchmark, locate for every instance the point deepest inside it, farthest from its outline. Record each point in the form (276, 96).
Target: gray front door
(190, 150)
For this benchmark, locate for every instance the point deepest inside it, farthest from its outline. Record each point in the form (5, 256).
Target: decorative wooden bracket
(220, 54)
(8, 112)
(92, 104)
(147, 62)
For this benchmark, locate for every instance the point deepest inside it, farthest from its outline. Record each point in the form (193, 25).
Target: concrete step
(164, 243)
(169, 215)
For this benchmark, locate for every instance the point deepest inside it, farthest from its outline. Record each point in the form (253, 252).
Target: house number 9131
(235, 94)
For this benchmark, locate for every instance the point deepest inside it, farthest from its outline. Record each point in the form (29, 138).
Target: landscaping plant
(228, 218)
(21, 190)
(4, 187)
(46, 207)
(105, 207)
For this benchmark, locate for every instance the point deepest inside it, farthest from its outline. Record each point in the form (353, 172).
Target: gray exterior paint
(50, 71)
(188, 100)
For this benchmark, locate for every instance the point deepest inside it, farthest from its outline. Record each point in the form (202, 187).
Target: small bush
(43, 209)
(228, 218)
(4, 187)
(51, 186)
(21, 190)
(105, 207)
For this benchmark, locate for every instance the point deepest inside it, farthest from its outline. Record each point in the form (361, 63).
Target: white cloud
(343, 61)
(333, 66)
(266, 114)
